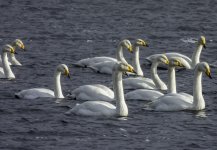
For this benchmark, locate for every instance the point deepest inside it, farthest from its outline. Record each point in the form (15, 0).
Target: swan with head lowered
(5, 71)
(193, 61)
(177, 101)
(119, 56)
(102, 108)
(146, 83)
(12, 59)
(42, 92)
(150, 95)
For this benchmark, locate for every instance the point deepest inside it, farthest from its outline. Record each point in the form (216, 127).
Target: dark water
(57, 31)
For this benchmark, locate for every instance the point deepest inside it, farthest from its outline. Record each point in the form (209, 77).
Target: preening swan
(92, 92)
(42, 92)
(12, 59)
(119, 56)
(195, 59)
(177, 102)
(102, 108)
(144, 94)
(6, 72)
(145, 83)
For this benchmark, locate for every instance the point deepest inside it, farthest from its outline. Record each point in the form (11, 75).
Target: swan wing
(94, 108)
(143, 94)
(34, 93)
(138, 83)
(93, 92)
(94, 60)
(171, 102)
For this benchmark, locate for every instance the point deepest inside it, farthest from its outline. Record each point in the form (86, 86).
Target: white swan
(6, 71)
(42, 92)
(102, 108)
(92, 92)
(119, 56)
(177, 102)
(146, 83)
(150, 95)
(12, 59)
(195, 59)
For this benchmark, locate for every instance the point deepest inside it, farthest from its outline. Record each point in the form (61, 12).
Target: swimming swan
(6, 71)
(195, 59)
(119, 56)
(102, 108)
(150, 95)
(42, 92)
(178, 102)
(12, 59)
(145, 83)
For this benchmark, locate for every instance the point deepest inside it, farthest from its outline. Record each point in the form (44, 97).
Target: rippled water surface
(64, 31)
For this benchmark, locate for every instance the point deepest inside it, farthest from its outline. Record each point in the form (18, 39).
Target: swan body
(177, 102)
(143, 94)
(146, 83)
(195, 59)
(102, 108)
(42, 92)
(12, 59)
(92, 92)
(96, 60)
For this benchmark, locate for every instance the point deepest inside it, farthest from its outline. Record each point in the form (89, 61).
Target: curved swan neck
(157, 81)
(196, 55)
(119, 54)
(136, 62)
(198, 102)
(13, 59)
(6, 67)
(172, 80)
(57, 89)
(121, 106)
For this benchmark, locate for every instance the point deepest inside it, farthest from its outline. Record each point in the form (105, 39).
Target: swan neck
(6, 67)
(119, 54)
(157, 81)
(121, 106)
(198, 100)
(171, 80)
(136, 62)
(57, 89)
(196, 55)
(13, 59)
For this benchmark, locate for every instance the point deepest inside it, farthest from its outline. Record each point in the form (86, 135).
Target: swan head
(163, 59)
(204, 67)
(178, 62)
(8, 48)
(63, 69)
(202, 41)
(140, 42)
(126, 43)
(18, 43)
(123, 68)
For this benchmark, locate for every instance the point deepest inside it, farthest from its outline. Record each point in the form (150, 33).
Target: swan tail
(17, 96)
(78, 65)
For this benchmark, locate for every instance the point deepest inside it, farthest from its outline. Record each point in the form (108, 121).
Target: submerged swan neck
(136, 62)
(121, 106)
(196, 55)
(157, 81)
(119, 54)
(6, 67)
(198, 102)
(171, 80)
(57, 85)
